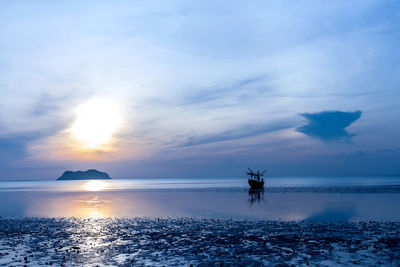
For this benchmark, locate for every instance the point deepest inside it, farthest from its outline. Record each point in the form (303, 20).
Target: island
(84, 175)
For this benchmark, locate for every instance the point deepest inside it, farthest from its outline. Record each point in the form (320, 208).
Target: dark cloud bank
(329, 125)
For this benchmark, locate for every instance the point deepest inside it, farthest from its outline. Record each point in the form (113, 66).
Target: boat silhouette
(255, 180)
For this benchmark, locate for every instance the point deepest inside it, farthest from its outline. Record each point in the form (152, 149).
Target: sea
(284, 198)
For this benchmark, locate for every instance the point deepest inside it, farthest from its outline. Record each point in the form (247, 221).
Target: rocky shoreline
(197, 242)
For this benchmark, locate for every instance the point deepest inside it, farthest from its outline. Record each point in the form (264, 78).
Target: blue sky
(203, 88)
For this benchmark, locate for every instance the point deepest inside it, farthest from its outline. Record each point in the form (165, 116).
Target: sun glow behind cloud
(96, 122)
(92, 134)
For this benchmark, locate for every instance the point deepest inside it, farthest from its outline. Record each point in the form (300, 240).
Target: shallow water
(205, 198)
(126, 184)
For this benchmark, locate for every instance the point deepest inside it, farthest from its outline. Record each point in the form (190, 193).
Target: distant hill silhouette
(84, 175)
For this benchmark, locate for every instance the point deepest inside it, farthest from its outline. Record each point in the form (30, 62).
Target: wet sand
(200, 242)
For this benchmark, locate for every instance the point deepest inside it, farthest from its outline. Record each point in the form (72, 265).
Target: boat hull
(254, 184)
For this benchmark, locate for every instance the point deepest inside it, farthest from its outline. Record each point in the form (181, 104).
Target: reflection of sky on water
(256, 196)
(203, 203)
(213, 198)
(333, 214)
(96, 185)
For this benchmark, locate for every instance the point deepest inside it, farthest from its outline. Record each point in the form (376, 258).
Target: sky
(183, 89)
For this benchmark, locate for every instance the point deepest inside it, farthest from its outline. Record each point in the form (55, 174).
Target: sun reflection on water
(88, 205)
(95, 185)
(92, 207)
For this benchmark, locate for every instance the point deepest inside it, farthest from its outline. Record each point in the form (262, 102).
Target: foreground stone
(197, 242)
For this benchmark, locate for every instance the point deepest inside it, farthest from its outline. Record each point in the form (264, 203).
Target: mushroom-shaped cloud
(329, 125)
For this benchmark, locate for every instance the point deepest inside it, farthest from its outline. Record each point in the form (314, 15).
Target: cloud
(238, 133)
(13, 148)
(329, 125)
(395, 149)
(178, 83)
(239, 89)
(47, 104)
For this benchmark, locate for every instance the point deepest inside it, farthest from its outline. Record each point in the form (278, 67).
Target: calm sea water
(210, 198)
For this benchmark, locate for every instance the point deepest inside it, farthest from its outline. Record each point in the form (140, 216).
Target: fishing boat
(255, 180)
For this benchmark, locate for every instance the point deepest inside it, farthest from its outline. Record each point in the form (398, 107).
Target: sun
(96, 122)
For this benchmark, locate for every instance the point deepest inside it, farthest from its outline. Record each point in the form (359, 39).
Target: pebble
(193, 242)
